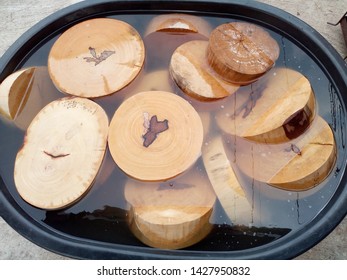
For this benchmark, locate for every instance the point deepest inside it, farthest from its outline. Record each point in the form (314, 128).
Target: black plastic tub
(101, 232)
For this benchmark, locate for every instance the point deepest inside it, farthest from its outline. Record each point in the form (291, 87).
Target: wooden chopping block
(241, 52)
(192, 73)
(155, 135)
(297, 165)
(62, 152)
(272, 110)
(96, 57)
(172, 214)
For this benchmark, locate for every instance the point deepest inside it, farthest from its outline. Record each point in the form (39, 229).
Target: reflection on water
(112, 223)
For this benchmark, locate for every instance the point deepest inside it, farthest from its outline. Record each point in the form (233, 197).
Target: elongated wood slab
(296, 165)
(173, 214)
(96, 57)
(170, 122)
(192, 73)
(241, 52)
(272, 110)
(62, 153)
(225, 183)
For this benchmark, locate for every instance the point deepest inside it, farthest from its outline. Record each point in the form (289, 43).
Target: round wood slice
(172, 214)
(190, 70)
(271, 111)
(62, 153)
(225, 183)
(155, 135)
(296, 165)
(179, 23)
(241, 52)
(96, 57)
(24, 93)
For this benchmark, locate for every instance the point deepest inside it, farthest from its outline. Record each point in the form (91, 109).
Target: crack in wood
(55, 156)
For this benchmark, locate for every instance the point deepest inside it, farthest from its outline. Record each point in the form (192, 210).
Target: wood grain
(62, 152)
(96, 57)
(18, 16)
(172, 152)
(173, 214)
(276, 109)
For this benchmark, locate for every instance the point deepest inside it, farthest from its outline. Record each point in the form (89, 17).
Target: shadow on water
(112, 223)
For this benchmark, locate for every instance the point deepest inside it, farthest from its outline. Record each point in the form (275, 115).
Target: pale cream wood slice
(62, 152)
(96, 57)
(241, 52)
(272, 110)
(297, 165)
(172, 214)
(13, 92)
(178, 23)
(193, 74)
(226, 185)
(24, 93)
(172, 152)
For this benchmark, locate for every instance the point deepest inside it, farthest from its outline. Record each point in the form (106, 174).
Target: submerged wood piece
(274, 110)
(161, 45)
(96, 57)
(151, 81)
(225, 183)
(296, 165)
(192, 73)
(172, 152)
(173, 214)
(179, 23)
(62, 153)
(241, 52)
(24, 93)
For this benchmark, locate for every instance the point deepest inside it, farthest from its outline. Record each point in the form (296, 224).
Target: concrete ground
(19, 15)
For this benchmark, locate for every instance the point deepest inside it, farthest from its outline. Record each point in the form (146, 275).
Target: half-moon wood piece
(96, 57)
(179, 23)
(173, 214)
(155, 135)
(62, 153)
(225, 183)
(273, 110)
(193, 74)
(297, 165)
(13, 92)
(24, 93)
(241, 52)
